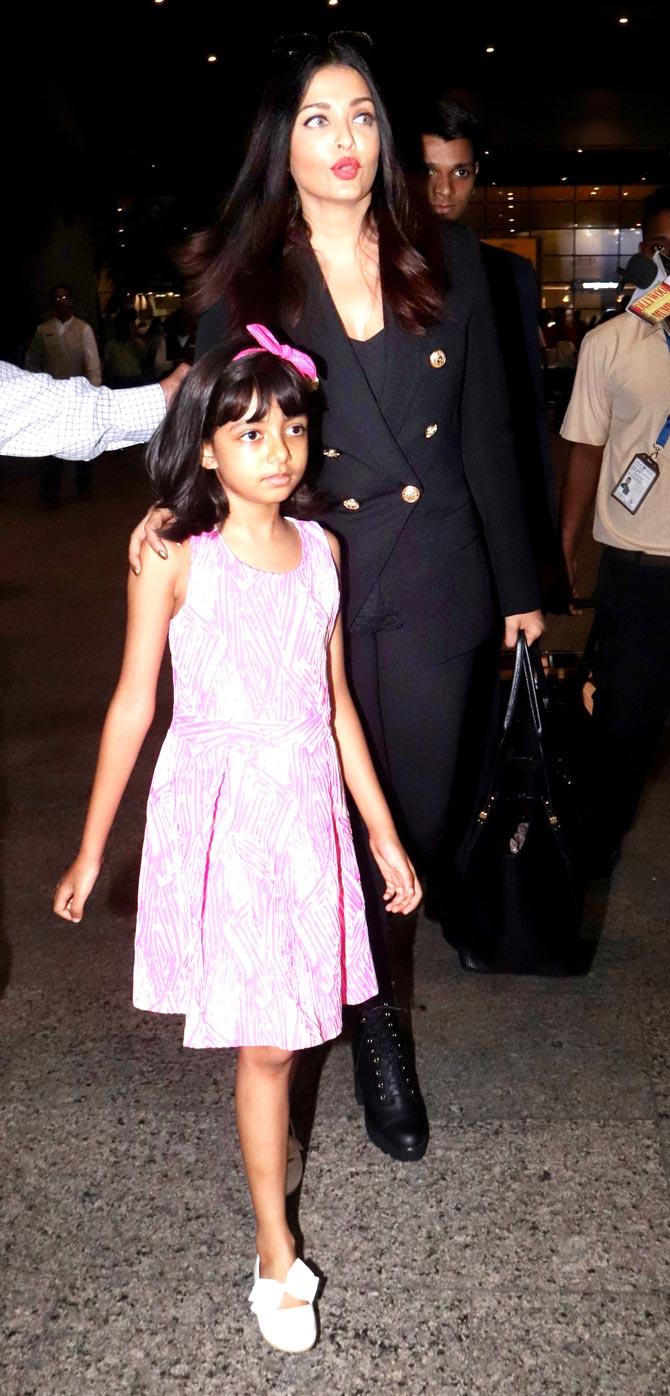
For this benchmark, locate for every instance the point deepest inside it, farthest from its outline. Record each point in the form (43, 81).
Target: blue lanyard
(664, 434)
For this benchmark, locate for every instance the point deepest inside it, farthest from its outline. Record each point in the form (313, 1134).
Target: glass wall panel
(600, 214)
(545, 192)
(554, 215)
(591, 240)
(600, 193)
(555, 242)
(630, 241)
(596, 268)
(557, 268)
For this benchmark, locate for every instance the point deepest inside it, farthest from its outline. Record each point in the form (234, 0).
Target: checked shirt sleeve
(43, 416)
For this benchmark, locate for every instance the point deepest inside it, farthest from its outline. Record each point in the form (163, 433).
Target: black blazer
(513, 286)
(423, 487)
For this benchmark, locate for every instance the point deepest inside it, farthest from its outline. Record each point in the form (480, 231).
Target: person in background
(125, 351)
(618, 426)
(180, 332)
(72, 420)
(156, 364)
(451, 143)
(65, 347)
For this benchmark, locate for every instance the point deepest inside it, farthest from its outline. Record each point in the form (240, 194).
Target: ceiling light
(625, 193)
(623, 19)
(487, 152)
(580, 150)
(490, 49)
(211, 58)
(564, 179)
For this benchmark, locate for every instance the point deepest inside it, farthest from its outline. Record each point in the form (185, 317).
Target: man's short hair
(61, 286)
(653, 204)
(451, 122)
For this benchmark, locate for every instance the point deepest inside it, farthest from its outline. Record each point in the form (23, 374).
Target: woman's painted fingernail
(164, 556)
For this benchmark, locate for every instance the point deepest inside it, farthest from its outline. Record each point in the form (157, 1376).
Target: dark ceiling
(129, 85)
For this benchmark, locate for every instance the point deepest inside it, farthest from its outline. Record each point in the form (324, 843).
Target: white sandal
(290, 1330)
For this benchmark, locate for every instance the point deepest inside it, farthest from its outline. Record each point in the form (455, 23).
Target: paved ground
(528, 1253)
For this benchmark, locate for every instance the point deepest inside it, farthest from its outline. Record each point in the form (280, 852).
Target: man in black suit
(451, 141)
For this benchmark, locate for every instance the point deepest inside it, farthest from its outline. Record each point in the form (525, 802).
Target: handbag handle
(524, 668)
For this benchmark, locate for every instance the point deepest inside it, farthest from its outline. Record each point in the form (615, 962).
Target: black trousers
(631, 671)
(416, 713)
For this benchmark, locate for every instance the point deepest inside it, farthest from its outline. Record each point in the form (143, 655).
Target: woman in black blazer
(416, 455)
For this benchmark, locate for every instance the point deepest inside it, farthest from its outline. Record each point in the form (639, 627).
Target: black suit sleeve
(212, 329)
(488, 448)
(527, 290)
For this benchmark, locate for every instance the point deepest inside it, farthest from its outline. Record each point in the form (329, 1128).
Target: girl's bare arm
(151, 601)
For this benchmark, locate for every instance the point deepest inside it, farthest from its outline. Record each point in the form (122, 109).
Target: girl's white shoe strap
(300, 1283)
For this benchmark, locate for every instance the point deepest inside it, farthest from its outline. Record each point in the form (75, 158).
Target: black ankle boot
(387, 1085)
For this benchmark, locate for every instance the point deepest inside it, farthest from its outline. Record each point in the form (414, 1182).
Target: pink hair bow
(266, 340)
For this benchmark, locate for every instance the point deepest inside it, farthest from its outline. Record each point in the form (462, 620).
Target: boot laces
(393, 1072)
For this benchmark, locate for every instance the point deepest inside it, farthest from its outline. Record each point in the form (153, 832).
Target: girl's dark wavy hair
(252, 256)
(216, 391)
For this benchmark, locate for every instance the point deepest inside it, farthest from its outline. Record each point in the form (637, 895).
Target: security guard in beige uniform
(620, 411)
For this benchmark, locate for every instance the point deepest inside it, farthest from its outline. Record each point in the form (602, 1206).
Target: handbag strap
(529, 677)
(526, 670)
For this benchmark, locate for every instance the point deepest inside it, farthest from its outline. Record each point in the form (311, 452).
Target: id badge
(636, 482)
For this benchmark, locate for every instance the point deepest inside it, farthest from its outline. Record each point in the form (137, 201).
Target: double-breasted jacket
(422, 487)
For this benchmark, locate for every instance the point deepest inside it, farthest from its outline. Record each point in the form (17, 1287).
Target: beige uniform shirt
(65, 350)
(620, 400)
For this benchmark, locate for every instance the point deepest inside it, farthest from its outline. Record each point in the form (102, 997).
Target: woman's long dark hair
(216, 391)
(250, 257)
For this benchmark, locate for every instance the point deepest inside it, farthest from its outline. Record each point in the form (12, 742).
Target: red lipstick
(347, 167)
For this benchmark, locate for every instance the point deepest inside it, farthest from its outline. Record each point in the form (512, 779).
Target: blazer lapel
(354, 419)
(404, 352)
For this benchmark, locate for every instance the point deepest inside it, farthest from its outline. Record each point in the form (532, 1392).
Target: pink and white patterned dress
(251, 919)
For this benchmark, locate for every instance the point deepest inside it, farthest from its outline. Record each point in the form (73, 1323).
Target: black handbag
(519, 890)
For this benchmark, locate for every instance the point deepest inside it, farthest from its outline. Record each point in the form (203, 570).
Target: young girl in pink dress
(250, 919)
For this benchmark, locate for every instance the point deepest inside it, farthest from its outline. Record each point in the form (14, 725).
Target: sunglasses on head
(298, 45)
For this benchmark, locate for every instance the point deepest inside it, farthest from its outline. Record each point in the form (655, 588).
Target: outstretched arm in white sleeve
(43, 416)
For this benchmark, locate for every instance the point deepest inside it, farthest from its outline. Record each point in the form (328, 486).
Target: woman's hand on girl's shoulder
(160, 585)
(75, 887)
(147, 530)
(159, 567)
